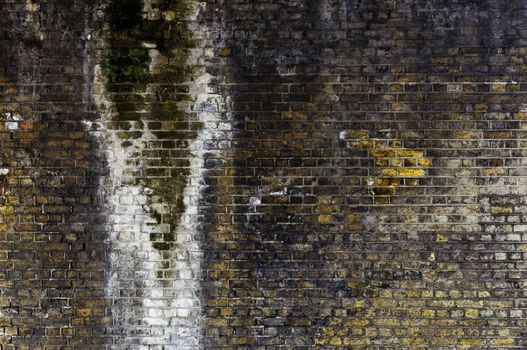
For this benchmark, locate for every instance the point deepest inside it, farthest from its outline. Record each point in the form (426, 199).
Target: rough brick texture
(300, 174)
(52, 248)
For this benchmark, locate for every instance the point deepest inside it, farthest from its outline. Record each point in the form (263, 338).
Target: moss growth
(139, 93)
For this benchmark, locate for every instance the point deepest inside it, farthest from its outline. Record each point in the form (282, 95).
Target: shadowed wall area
(263, 175)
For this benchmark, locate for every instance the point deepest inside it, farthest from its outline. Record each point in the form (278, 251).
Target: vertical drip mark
(160, 119)
(186, 308)
(126, 217)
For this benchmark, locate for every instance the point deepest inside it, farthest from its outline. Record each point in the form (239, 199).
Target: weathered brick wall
(340, 174)
(377, 195)
(52, 250)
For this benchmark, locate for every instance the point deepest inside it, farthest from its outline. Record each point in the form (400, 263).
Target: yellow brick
(295, 116)
(501, 210)
(386, 322)
(384, 191)
(414, 341)
(500, 304)
(441, 238)
(325, 219)
(381, 303)
(466, 134)
(335, 321)
(411, 182)
(224, 52)
(383, 181)
(520, 116)
(415, 293)
(356, 341)
(381, 200)
(366, 144)
(428, 313)
(226, 228)
(397, 107)
(13, 200)
(327, 332)
(396, 88)
(341, 273)
(397, 162)
(360, 303)
(412, 172)
(335, 341)
(389, 172)
(396, 143)
(326, 199)
(499, 87)
(409, 78)
(468, 302)
(327, 209)
(341, 332)
(356, 227)
(4, 209)
(493, 171)
(424, 162)
(504, 332)
(238, 340)
(11, 330)
(442, 303)
(84, 312)
(502, 341)
(382, 153)
(409, 153)
(217, 322)
(444, 341)
(483, 294)
(227, 312)
(356, 323)
(472, 313)
(470, 342)
(353, 218)
(356, 135)
(321, 341)
(380, 144)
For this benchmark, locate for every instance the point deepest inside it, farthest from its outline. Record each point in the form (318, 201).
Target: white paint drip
(184, 310)
(166, 312)
(11, 125)
(126, 216)
(11, 116)
(187, 306)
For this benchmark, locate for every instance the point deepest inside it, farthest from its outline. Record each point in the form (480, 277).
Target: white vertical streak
(149, 312)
